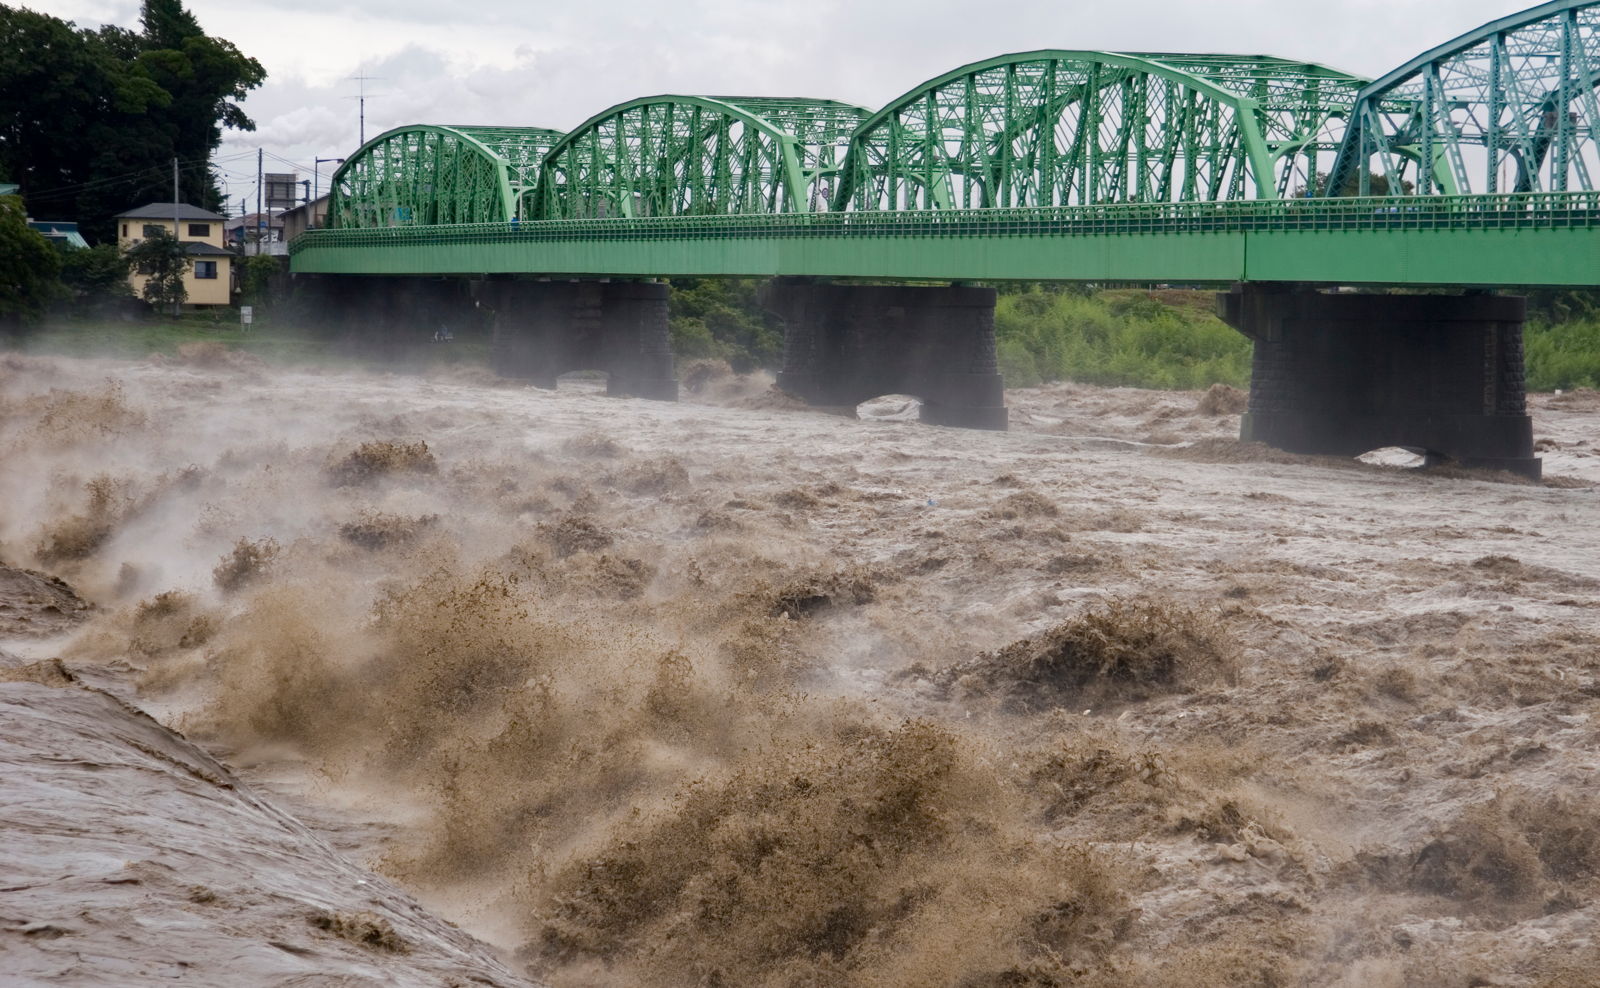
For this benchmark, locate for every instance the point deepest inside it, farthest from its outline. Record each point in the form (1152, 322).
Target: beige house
(209, 279)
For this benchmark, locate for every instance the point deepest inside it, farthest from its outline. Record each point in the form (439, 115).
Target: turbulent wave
(723, 694)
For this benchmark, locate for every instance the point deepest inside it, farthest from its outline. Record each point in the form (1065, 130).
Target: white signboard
(246, 315)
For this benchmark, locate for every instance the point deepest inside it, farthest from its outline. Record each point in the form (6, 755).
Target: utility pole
(316, 181)
(260, 178)
(176, 230)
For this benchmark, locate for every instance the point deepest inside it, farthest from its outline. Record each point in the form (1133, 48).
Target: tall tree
(167, 24)
(28, 266)
(91, 120)
(60, 96)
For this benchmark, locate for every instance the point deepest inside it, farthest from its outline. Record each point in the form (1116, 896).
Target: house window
(199, 229)
(205, 269)
(153, 230)
(124, 229)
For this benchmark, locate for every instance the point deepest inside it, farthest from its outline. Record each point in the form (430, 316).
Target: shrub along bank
(1563, 355)
(1160, 339)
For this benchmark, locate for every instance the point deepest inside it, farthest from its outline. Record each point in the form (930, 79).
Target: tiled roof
(205, 250)
(163, 211)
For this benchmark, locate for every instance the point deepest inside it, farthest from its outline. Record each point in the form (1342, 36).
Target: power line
(149, 173)
(293, 164)
(100, 184)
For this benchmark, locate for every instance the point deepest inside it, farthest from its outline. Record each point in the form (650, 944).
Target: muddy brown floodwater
(363, 679)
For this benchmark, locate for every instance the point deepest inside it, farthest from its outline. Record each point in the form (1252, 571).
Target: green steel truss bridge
(1475, 163)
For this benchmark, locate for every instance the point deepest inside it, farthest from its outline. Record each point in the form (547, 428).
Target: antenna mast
(361, 81)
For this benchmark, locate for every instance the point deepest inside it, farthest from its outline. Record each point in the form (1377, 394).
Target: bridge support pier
(388, 318)
(1341, 374)
(543, 329)
(844, 344)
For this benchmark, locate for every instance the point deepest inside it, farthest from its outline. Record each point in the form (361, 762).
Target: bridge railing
(1376, 213)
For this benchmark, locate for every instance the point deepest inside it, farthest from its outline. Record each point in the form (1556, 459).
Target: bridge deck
(1546, 239)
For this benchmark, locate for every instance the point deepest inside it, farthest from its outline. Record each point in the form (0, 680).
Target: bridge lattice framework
(1509, 107)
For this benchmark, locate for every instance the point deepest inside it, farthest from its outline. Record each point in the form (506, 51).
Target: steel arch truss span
(1065, 128)
(696, 156)
(1301, 108)
(422, 175)
(1510, 107)
(523, 149)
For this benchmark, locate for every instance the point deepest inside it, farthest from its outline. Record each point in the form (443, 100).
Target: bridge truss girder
(423, 174)
(1301, 108)
(1508, 107)
(696, 155)
(1062, 128)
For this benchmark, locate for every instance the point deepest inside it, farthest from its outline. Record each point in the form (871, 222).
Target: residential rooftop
(164, 211)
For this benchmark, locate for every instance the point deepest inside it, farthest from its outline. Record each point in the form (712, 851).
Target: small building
(210, 276)
(306, 216)
(59, 232)
(258, 233)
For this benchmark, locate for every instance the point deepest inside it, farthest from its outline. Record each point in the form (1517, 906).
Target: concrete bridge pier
(1341, 374)
(389, 318)
(844, 344)
(543, 329)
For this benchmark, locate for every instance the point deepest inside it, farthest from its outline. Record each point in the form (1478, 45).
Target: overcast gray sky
(514, 62)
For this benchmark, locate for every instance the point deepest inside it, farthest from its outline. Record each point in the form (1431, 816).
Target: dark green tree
(162, 260)
(1377, 181)
(207, 78)
(94, 278)
(91, 120)
(1554, 306)
(61, 95)
(28, 267)
(722, 317)
(166, 24)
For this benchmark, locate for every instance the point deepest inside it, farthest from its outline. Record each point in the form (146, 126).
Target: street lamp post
(316, 185)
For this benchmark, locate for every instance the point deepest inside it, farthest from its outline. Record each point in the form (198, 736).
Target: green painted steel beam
(1302, 107)
(1508, 106)
(424, 174)
(1053, 164)
(523, 149)
(1061, 127)
(1545, 239)
(697, 155)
